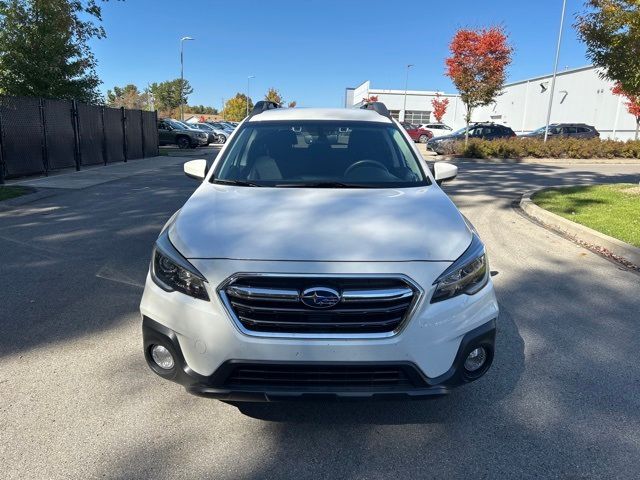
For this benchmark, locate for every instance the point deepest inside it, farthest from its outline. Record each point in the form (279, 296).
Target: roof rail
(262, 106)
(378, 107)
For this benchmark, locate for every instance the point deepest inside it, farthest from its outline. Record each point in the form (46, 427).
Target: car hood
(320, 224)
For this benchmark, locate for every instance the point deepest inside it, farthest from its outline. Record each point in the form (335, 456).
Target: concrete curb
(580, 233)
(32, 196)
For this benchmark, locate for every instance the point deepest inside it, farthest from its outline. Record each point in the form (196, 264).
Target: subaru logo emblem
(320, 297)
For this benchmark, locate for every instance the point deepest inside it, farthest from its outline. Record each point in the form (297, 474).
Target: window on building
(417, 116)
(395, 114)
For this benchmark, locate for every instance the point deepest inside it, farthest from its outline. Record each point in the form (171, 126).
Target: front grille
(280, 304)
(323, 376)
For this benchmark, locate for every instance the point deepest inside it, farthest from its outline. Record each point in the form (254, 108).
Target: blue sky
(311, 50)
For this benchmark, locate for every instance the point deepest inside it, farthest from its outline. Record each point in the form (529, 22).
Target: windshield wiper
(240, 183)
(320, 185)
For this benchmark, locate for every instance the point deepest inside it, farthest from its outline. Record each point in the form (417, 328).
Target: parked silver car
(216, 135)
(574, 130)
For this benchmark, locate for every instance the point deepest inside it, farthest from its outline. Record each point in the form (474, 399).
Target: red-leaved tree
(632, 102)
(439, 107)
(371, 98)
(477, 66)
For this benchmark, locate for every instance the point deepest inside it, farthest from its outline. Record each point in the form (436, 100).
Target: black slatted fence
(21, 138)
(150, 134)
(134, 133)
(114, 134)
(42, 135)
(60, 137)
(91, 133)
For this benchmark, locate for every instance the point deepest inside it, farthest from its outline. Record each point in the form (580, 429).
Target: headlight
(467, 275)
(172, 272)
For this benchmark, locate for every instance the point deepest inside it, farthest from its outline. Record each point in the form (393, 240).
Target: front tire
(423, 138)
(183, 143)
(222, 139)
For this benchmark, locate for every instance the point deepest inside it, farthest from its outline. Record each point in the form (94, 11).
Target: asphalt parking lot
(78, 401)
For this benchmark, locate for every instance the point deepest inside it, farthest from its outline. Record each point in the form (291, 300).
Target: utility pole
(555, 71)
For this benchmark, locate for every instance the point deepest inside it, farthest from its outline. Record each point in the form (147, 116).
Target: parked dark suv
(485, 131)
(575, 130)
(173, 132)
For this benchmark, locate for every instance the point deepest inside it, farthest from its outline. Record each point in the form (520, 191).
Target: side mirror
(444, 172)
(196, 169)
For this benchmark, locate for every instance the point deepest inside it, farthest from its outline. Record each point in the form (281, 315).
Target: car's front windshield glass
(320, 154)
(460, 132)
(175, 124)
(540, 130)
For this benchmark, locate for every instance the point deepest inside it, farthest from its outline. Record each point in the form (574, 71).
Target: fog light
(476, 359)
(163, 357)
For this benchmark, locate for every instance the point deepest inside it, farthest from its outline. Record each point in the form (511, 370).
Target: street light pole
(182, 75)
(555, 72)
(406, 84)
(247, 99)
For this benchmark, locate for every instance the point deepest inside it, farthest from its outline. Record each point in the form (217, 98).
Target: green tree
(273, 95)
(128, 97)
(167, 96)
(236, 108)
(44, 48)
(201, 109)
(611, 31)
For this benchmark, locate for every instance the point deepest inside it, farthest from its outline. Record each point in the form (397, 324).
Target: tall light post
(555, 71)
(406, 84)
(248, 80)
(182, 75)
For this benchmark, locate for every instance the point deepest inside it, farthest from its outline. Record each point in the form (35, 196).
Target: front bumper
(217, 386)
(207, 337)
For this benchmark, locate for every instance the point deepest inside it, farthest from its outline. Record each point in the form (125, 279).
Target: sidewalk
(101, 174)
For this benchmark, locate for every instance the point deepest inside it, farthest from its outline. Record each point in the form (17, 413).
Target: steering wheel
(362, 163)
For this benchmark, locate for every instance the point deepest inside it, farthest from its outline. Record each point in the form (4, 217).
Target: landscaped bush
(536, 148)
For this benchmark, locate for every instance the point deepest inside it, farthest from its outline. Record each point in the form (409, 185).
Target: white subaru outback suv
(319, 258)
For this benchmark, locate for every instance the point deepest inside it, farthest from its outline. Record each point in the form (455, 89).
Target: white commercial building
(581, 96)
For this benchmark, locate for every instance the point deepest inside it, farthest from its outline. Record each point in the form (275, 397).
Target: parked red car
(417, 133)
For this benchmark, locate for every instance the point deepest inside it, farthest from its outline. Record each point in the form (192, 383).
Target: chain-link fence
(41, 135)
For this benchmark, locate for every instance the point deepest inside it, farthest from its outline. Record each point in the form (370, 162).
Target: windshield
(176, 124)
(320, 154)
(460, 132)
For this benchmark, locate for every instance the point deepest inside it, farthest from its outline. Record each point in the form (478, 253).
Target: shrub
(537, 148)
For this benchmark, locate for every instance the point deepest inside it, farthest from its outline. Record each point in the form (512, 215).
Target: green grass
(11, 192)
(611, 209)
